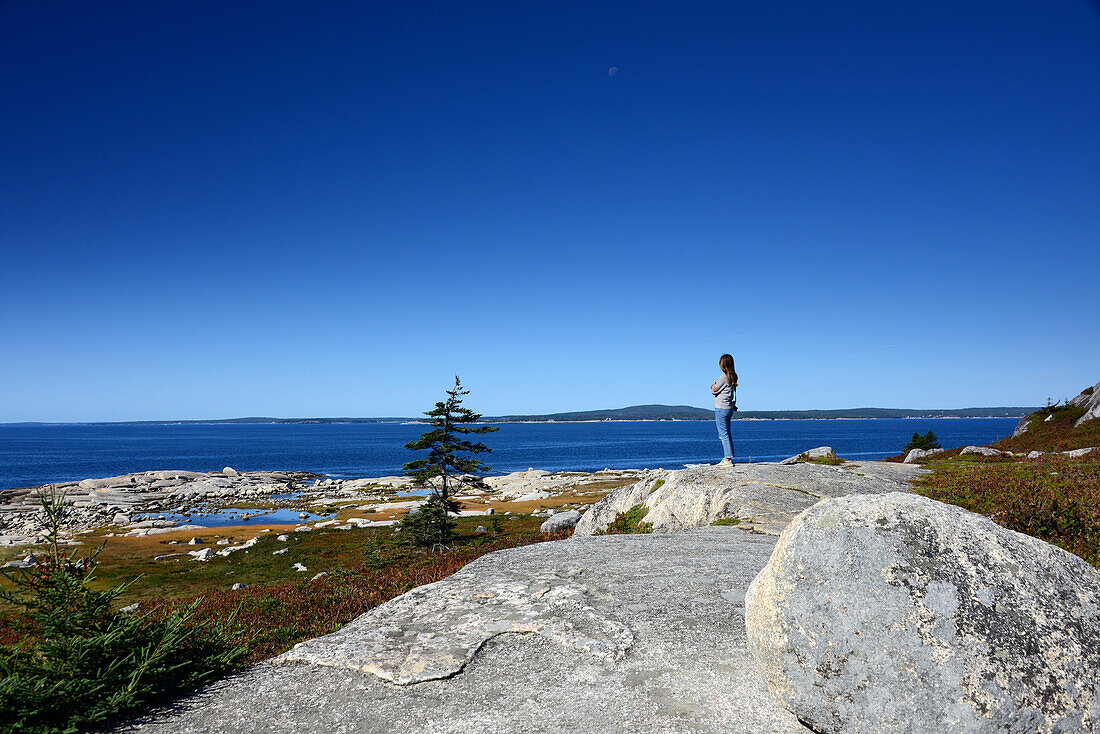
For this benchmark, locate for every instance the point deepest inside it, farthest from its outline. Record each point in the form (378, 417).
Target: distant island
(638, 413)
(689, 413)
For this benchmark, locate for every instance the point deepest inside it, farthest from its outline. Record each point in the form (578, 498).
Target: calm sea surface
(32, 455)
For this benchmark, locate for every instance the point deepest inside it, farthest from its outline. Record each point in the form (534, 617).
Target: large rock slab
(1089, 400)
(765, 497)
(895, 613)
(663, 614)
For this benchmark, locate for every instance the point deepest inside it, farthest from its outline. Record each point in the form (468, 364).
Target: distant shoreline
(417, 422)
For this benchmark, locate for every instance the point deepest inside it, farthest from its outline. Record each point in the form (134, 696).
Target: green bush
(84, 664)
(924, 443)
(630, 522)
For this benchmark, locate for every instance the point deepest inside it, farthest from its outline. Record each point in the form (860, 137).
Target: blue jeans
(722, 418)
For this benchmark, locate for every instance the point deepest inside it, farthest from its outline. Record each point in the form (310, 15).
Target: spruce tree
(926, 442)
(432, 525)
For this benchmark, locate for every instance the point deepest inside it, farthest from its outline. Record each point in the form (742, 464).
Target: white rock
(560, 521)
(281, 550)
(983, 450)
(202, 555)
(896, 613)
(1035, 454)
(916, 454)
(196, 541)
(299, 567)
(238, 587)
(229, 471)
(319, 576)
(1089, 400)
(1075, 453)
(283, 538)
(27, 562)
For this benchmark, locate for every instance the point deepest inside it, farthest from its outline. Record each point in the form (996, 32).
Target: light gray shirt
(725, 397)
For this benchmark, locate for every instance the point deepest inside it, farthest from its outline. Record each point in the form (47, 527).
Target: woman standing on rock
(725, 405)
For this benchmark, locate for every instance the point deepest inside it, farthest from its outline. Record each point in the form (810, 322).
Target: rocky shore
(830, 599)
(159, 501)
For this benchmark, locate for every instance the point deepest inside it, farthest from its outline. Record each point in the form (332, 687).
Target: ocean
(39, 454)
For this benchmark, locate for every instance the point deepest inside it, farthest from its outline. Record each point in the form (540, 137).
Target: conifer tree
(925, 443)
(432, 525)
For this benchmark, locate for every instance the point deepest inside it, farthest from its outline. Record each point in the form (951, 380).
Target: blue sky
(214, 209)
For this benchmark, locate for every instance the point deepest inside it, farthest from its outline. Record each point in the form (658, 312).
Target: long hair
(726, 363)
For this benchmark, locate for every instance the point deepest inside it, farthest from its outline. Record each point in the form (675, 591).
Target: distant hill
(637, 413)
(688, 413)
(632, 413)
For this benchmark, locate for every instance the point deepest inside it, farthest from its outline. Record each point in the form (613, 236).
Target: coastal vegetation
(82, 661)
(1052, 429)
(1049, 495)
(830, 459)
(927, 442)
(1055, 498)
(630, 522)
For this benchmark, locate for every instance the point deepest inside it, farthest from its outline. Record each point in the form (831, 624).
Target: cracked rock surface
(896, 613)
(764, 497)
(636, 633)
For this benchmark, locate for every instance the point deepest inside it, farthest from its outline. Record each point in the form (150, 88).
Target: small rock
(224, 541)
(121, 519)
(238, 587)
(490, 511)
(303, 515)
(983, 450)
(299, 567)
(27, 562)
(202, 555)
(229, 471)
(1075, 453)
(283, 538)
(281, 550)
(303, 529)
(196, 541)
(130, 608)
(1035, 454)
(481, 529)
(318, 576)
(916, 454)
(561, 521)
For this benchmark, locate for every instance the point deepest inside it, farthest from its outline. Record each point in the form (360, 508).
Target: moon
(613, 71)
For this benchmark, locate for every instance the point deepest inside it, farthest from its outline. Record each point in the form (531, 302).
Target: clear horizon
(499, 415)
(330, 210)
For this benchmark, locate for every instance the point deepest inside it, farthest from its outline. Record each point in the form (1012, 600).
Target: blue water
(225, 518)
(40, 454)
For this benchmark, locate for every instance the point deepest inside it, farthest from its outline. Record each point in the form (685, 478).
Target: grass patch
(830, 459)
(727, 521)
(630, 522)
(1054, 498)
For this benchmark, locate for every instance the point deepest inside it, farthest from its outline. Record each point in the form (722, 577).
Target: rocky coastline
(152, 502)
